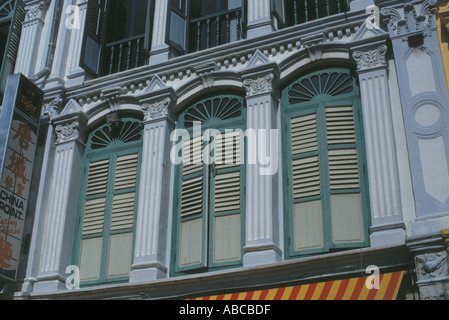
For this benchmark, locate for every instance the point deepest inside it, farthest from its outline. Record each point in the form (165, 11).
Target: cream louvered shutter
(344, 176)
(93, 219)
(122, 215)
(191, 206)
(306, 183)
(227, 197)
(116, 201)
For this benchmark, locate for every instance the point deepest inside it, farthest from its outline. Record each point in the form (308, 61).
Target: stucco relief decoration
(52, 108)
(157, 110)
(68, 132)
(36, 11)
(371, 59)
(410, 22)
(259, 85)
(431, 265)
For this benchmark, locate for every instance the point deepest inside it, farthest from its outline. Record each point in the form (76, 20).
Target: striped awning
(347, 289)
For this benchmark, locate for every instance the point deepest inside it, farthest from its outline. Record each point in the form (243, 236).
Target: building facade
(241, 148)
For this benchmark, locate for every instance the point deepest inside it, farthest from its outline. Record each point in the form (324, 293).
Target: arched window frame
(126, 148)
(209, 173)
(315, 104)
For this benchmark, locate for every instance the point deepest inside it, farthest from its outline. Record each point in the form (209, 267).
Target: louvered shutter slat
(97, 179)
(192, 197)
(340, 125)
(227, 192)
(126, 172)
(94, 216)
(228, 150)
(192, 156)
(343, 163)
(304, 134)
(123, 206)
(306, 177)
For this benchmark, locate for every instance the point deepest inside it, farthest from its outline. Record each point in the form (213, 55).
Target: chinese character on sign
(9, 184)
(5, 253)
(18, 166)
(24, 135)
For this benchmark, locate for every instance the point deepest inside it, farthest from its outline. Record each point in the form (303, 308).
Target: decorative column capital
(371, 59)
(259, 85)
(67, 132)
(36, 10)
(157, 110)
(69, 128)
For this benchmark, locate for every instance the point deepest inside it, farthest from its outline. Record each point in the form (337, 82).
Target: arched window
(326, 202)
(210, 186)
(108, 203)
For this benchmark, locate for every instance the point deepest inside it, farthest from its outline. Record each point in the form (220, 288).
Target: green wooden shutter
(192, 206)
(108, 217)
(226, 199)
(344, 177)
(94, 37)
(93, 220)
(13, 41)
(122, 215)
(308, 228)
(325, 178)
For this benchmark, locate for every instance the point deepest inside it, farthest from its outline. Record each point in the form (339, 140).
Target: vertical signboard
(19, 127)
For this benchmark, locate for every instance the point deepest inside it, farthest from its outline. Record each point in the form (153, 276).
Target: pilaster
(387, 225)
(262, 193)
(59, 224)
(31, 36)
(259, 18)
(74, 73)
(154, 191)
(425, 102)
(160, 51)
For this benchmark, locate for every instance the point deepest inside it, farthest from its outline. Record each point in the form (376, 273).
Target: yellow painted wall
(443, 35)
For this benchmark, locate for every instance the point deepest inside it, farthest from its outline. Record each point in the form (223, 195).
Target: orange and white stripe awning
(348, 289)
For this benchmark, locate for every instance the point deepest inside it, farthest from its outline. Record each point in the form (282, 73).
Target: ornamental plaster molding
(367, 60)
(157, 111)
(36, 11)
(67, 132)
(52, 108)
(410, 22)
(431, 265)
(259, 85)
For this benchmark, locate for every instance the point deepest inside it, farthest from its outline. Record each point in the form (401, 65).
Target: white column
(262, 207)
(259, 18)
(154, 194)
(59, 224)
(74, 73)
(62, 50)
(382, 164)
(30, 37)
(159, 51)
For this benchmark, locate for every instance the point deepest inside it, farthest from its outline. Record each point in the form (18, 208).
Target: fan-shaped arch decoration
(329, 83)
(116, 133)
(217, 108)
(6, 9)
